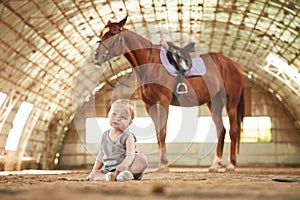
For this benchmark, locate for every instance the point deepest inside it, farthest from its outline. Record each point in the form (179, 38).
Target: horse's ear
(108, 24)
(123, 21)
(190, 47)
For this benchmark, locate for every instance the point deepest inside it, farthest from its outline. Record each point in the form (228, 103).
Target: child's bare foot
(125, 176)
(110, 176)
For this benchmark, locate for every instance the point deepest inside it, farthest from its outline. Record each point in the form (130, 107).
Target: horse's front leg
(234, 131)
(159, 115)
(216, 107)
(161, 138)
(216, 164)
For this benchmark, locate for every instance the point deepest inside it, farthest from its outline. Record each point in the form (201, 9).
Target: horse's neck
(138, 49)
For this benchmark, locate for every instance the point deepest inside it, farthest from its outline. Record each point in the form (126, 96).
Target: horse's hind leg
(234, 131)
(216, 108)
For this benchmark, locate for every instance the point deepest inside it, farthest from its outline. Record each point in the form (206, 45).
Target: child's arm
(98, 162)
(97, 166)
(130, 154)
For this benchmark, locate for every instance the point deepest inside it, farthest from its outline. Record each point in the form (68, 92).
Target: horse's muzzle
(99, 58)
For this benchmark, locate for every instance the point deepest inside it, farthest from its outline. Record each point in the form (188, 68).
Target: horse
(221, 86)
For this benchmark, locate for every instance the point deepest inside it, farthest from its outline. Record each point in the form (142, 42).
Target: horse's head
(181, 56)
(110, 43)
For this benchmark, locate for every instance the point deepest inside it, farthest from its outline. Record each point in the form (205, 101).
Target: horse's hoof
(159, 169)
(163, 169)
(230, 168)
(213, 169)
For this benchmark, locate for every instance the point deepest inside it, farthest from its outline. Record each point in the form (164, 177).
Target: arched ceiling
(45, 44)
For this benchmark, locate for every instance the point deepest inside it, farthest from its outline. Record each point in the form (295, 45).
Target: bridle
(118, 39)
(107, 54)
(108, 57)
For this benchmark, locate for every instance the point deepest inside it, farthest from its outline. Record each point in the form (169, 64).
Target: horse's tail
(240, 117)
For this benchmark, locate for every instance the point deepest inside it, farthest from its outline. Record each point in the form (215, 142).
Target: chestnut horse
(222, 85)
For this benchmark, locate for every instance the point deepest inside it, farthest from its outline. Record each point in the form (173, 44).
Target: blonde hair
(126, 104)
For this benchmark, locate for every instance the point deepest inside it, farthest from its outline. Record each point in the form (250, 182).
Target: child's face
(119, 118)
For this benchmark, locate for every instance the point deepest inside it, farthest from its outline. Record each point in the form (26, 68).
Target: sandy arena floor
(179, 183)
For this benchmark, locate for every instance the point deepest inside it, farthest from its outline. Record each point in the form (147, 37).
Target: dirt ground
(178, 183)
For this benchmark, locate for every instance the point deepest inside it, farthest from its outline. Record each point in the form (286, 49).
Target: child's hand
(92, 176)
(121, 167)
(89, 177)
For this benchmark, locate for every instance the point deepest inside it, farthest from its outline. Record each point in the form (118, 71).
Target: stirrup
(181, 88)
